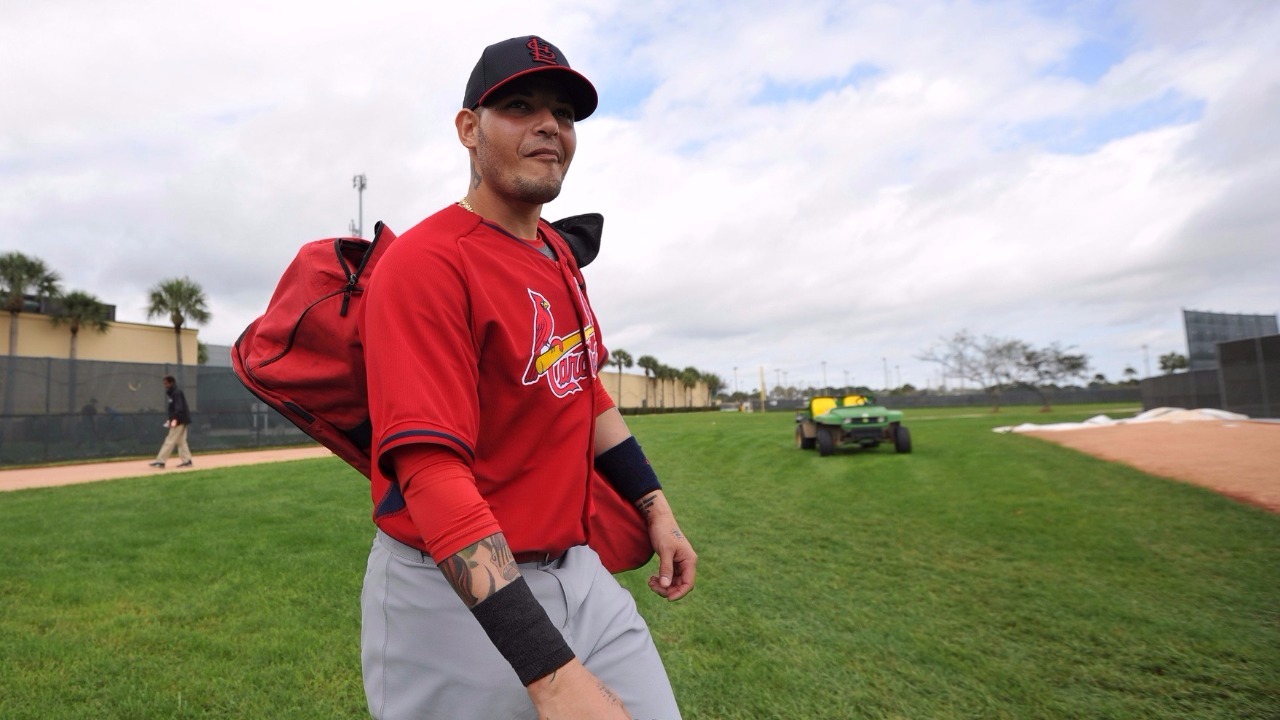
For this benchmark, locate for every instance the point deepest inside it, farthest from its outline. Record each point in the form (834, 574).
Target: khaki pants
(177, 436)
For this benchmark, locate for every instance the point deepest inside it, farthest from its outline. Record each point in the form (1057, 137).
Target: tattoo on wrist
(609, 694)
(645, 504)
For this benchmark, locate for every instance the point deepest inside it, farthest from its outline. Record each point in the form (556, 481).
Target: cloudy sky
(807, 187)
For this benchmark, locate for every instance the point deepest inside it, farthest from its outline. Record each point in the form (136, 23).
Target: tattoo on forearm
(474, 570)
(677, 534)
(504, 560)
(457, 570)
(645, 504)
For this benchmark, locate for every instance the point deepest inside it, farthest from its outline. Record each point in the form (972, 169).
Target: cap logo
(541, 52)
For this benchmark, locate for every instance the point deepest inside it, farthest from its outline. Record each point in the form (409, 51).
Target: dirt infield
(1240, 459)
(54, 475)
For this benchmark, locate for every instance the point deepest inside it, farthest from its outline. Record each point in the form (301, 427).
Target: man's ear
(468, 124)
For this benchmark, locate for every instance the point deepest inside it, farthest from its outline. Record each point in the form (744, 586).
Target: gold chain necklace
(466, 205)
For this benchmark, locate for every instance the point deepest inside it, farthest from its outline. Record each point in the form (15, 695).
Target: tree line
(660, 377)
(23, 277)
(997, 364)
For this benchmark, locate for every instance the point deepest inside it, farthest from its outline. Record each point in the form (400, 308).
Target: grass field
(982, 576)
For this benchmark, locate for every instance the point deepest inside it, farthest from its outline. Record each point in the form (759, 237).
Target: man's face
(525, 140)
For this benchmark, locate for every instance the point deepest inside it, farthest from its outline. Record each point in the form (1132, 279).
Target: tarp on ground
(1162, 414)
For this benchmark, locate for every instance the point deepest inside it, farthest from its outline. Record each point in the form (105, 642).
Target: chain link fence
(58, 410)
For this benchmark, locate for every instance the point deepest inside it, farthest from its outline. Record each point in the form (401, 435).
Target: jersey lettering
(564, 361)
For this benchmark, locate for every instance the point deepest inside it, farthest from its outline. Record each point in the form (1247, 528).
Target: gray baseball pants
(426, 658)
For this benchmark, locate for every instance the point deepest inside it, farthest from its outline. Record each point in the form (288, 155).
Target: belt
(534, 556)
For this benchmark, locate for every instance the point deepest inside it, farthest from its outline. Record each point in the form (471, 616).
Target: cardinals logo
(564, 361)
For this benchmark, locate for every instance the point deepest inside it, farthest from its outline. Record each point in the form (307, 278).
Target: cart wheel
(902, 439)
(802, 442)
(826, 441)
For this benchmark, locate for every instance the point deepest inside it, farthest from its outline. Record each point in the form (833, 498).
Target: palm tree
(649, 364)
(714, 386)
(79, 310)
(1130, 375)
(620, 359)
(689, 378)
(181, 299)
(21, 276)
(665, 373)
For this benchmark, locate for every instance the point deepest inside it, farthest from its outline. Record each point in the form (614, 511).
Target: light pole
(824, 375)
(735, 379)
(1146, 360)
(359, 183)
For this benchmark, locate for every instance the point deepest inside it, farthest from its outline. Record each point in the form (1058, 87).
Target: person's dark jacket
(178, 406)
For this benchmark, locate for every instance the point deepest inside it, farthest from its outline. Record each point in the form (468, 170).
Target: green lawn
(982, 576)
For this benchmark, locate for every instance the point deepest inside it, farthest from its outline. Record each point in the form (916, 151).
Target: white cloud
(782, 185)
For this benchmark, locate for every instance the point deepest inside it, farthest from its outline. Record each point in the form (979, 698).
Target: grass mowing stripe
(1006, 576)
(983, 575)
(223, 593)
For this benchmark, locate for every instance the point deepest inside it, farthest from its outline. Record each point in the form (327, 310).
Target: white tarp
(1163, 414)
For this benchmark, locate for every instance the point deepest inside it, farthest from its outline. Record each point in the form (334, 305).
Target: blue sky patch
(1107, 35)
(626, 96)
(774, 93)
(1083, 135)
(1088, 61)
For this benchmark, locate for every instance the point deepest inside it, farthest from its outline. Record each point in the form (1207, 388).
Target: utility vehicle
(852, 419)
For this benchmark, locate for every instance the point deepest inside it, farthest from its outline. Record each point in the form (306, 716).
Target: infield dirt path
(54, 475)
(1240, 459)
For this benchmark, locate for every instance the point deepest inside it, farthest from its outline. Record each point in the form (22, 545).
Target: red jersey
(478, 342)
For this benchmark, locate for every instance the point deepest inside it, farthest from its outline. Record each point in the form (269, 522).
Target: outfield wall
(1192, 390)
(93, 410)
(1249, 375)
(1060, 396)
(1246, 381)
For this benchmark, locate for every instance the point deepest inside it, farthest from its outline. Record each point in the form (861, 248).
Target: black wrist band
(518, 626)
(627, 470)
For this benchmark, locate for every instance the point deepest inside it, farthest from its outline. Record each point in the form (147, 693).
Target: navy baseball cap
(500, 63)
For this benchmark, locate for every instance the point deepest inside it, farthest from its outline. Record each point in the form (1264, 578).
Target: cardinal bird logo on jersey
(564, 361)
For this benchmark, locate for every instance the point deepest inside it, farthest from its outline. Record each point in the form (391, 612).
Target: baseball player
(481, 598)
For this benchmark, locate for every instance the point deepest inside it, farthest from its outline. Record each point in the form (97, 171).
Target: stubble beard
(535, 191)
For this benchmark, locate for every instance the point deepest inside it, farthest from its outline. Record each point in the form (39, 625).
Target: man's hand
(677, 562)
(573, 693)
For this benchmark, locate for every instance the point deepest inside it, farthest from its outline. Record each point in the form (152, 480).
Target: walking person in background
(179, 419)
(88, 423)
